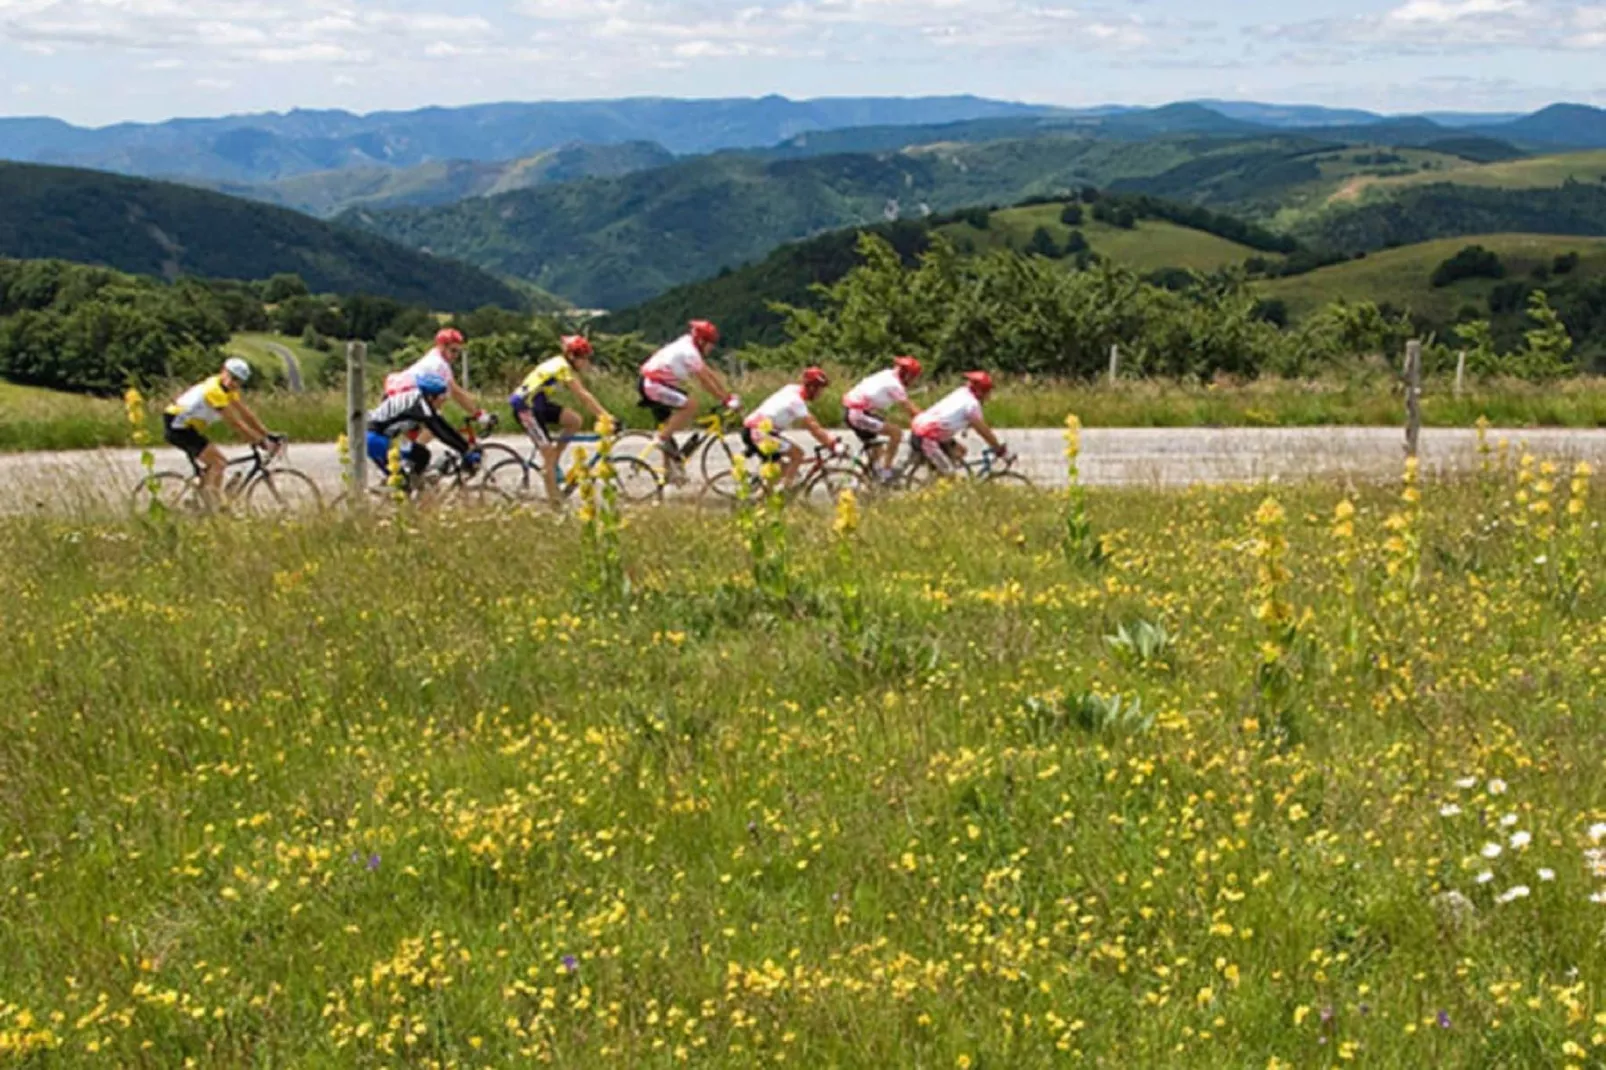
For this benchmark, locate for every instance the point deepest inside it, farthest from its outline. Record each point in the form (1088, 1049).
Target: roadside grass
(34, 419)
(414, 791)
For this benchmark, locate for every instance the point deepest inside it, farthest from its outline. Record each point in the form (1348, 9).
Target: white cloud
(1428, 27)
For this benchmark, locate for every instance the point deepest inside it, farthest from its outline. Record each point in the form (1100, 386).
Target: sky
(100, 61)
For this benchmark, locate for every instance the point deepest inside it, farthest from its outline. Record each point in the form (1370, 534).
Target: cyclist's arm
(465, 401)
(713, 382)
(587, 399)
(436, 424)
(243, 420)
(909, 407)
(980, 427)
(821, 435)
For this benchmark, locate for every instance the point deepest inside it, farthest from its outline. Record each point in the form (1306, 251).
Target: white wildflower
(1547, 874)
(1449, 810)
(1519, 840)
(1497, 786)
(1509, 820)
(1598, 897)
(1485, 877)
(1491, 850)
(1511, 895)
(1597, 832)
(1467, 782)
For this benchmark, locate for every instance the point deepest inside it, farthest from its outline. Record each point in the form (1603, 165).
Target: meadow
(1267, 777)
(35, 419)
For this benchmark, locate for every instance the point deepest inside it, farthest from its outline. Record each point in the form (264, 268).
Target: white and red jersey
(950, 416)
(675, 364)
(432, 363)
(782, 410)
(878, 393)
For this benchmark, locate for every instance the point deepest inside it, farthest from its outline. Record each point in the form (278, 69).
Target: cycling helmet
(814, 380)
(908, 368)
(704, 334)
(431, 386)
(451, 336)
(981, 384)
(578, 347)
(239, 369)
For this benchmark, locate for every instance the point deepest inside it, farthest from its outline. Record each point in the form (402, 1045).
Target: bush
(1072, 216)
(1472, 262)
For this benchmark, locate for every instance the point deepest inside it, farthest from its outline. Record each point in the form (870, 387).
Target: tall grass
(347, 792)
(34, 419)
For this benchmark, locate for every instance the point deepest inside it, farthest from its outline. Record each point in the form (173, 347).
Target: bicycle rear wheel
(718, 462)
(170, 490)
(283, 490)
(638, 482)
(473, 496)
(511, 476)
(1012, 480)
(828, 482)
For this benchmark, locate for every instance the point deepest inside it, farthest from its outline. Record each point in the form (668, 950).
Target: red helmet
(981, 384)
(450, 336)
(577, 347)
(908, 368)
(814, 380)
(704, 334)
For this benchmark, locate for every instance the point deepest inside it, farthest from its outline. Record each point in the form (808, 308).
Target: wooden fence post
(356, 419)
(1460, 372)
(1115, 363)
(1413, 397)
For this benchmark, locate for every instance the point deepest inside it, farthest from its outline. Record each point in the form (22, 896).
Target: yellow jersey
(556, 370)
(203, 403)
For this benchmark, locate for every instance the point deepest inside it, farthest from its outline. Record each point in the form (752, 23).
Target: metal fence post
(1460, 372)
(356, 422)
(1115, 363)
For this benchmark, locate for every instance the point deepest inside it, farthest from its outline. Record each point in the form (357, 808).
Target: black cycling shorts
(183, 436)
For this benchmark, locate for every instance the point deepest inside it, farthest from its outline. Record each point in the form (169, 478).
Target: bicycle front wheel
(169, 490)
(283, 490)
(718, 464)
(511, 476)
(829, 481)
(638, 482)
(1012, 480)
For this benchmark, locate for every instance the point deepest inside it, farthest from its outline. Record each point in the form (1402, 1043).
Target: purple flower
(1444, 1019)
(571, 963)
(373, 863)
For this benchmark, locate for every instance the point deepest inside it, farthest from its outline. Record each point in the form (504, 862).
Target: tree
(1072, 215)
(1042, 244)
(1472, 262)
(283, 287)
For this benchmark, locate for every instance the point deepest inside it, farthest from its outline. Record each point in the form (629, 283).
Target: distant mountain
(1425, 212)
(167, 230)
(1576, 125)
(263, 148)
(328, 193)
(1301, 116)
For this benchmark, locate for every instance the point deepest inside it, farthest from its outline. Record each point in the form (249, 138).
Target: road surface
(292, 366)
(68, 481)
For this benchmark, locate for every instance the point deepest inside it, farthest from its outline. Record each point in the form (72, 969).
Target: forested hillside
(168, 230)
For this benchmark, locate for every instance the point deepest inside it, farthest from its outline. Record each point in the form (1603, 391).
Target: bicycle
(448, 483)
(637, 481)
(987, 467)
(709, 437)
(820, 479)
(264, 485)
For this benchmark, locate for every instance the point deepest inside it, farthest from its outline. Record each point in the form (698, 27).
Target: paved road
(292, 366)
(1111, 457)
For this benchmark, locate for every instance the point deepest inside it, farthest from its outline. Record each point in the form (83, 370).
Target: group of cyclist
(410, 414)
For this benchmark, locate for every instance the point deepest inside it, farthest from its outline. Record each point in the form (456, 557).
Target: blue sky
(100, 61)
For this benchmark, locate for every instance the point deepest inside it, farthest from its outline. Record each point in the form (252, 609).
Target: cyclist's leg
(378, 449)
(936, 453)
(542, 415)
(869, 428)
(663, 398)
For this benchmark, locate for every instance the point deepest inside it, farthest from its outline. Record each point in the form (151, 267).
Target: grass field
(1401, 277)
(33, 419)
(1536, 172)
(424, 792)
(254, 347)
(1152, 245)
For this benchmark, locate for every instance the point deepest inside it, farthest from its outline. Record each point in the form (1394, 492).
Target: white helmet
(239, 369)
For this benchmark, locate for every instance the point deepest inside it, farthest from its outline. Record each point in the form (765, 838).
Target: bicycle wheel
(170, 490)
(473, 496)
(717, 462)
(1012, 480)
(917, 476)
(283, 490)
(512, 476)
(493, 454)
(637, 481)
(827, 483)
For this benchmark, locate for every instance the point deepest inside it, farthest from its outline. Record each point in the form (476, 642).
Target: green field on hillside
(1400, 277)
(1535, 172)
(255, 348)
(1151, 245)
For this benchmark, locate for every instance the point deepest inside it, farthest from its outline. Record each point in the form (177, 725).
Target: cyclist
(438, 362)
(213, 399)
(415, 408)
(782, 410)
(538, 414)
(866, 408)
(664, 378)
(936, 429)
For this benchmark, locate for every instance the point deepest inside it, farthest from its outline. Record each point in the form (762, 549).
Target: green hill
(1533, 172)
(739, 300)
(1413, 214)
(168, 230)
(328, 193)
(1401, 277)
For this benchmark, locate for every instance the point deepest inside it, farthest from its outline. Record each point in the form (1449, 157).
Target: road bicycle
(259, 481)
(985, 467)
(707, 446)
(638, 482)
(821, 478)
(447, 484)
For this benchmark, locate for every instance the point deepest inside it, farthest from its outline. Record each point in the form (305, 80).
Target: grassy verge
(39, 419)
(888, 813)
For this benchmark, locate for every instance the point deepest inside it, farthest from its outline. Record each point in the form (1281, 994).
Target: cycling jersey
(780, 411)
(545, 376)
(409, 411)
(878, 393)
(202, 404)
(949, 417)
(675, 363)
(432, 363)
